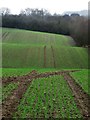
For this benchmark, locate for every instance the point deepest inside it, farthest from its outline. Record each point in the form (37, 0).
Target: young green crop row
(7, 90)
(48, 97)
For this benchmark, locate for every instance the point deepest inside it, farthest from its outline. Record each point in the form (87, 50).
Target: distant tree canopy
(4, 11)
(41, 20)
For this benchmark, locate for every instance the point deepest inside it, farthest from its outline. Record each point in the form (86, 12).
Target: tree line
(73, 25)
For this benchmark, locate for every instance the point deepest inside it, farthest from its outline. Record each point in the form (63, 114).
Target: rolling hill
(28, 49)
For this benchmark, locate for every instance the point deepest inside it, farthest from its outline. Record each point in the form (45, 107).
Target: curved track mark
(10, 105)
(53, 56)
(81, 98)
(45, 56)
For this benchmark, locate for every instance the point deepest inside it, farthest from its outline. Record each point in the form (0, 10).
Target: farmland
(8, 89)
(41, 50)
(43, 76)
(47, 100)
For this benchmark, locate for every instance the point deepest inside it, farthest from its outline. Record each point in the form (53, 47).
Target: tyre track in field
(38, 55)
(53, 56)
(82, 99)
(4, 35)
(10, 105)
(8, 80)
(44, 56)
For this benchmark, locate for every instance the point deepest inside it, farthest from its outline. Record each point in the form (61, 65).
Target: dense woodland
(41, 20)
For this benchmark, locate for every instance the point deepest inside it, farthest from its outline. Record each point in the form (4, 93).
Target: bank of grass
(16, 36)
(25, 49)
(70, 57)
(7, 72)
(22, 48)
(33, 56)
(11, 72)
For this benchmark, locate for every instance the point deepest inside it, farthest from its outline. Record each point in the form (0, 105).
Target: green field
(24, 37)
(27, 49)
(37, 60)
(47, 98)
(81, 77)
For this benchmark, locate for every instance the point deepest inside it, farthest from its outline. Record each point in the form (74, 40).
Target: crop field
(43, 95)
(43, 76)
(46, 97)
(24, 37)
(41, 50)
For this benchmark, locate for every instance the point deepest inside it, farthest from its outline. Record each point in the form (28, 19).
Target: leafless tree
(4, 11)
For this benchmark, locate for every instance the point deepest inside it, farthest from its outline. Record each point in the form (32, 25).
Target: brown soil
(53, 56)
(18, 78)
(28, 76)
(81, 98)
(44, 56)
(10, 105)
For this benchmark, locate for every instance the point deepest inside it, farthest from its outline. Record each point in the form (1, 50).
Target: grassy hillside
(27, 49)
(23, 37)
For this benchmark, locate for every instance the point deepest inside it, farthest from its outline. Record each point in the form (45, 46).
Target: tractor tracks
(53, 56)
(11, 103)
(81, 98)
(44, 56)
